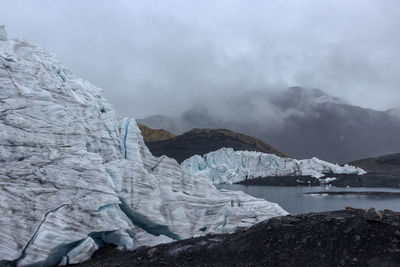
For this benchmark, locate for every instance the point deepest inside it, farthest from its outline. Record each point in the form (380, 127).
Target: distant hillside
(150, 134)
(203, 141)
(302, 122)
(385, 163)
(382, 171)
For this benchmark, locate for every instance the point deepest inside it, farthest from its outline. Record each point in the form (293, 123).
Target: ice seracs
(3, 33)
(226, 166)
(75, 177)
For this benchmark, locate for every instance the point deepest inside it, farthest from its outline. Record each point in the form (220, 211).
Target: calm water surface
(293, 199)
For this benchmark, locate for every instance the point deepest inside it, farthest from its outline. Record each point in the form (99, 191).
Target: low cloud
(167, 56)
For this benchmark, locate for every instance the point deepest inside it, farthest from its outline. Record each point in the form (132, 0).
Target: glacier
(75, 177)
(226, 166)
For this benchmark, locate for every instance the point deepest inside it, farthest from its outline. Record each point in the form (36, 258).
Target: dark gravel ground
(350, 237)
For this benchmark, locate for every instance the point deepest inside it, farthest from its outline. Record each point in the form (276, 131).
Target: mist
(164, 57)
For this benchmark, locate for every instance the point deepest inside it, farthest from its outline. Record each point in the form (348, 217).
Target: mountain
(74, 177)
(395, 112)
(301, 122)
(150, 135)
(351, 237)
(202, 141)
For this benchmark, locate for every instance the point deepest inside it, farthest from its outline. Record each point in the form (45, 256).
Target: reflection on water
(293, 199)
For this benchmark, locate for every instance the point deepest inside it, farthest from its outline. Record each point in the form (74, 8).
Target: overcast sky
(164, 56)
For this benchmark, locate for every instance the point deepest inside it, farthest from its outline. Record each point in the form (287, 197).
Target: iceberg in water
(75, 177)
(226, 166)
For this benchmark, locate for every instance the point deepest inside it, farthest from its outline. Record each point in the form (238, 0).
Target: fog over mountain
(227, 64)
(164, 57)
(298, 121)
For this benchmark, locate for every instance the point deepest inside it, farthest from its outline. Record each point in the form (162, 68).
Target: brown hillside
(150, 134)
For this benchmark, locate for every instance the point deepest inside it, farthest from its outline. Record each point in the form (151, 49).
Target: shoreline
(358, 193)
(382, 180)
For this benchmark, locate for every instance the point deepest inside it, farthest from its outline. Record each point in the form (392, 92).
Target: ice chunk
(327, 180)
(82, 252)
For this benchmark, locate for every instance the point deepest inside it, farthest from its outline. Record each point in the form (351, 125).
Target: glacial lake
(293, 199)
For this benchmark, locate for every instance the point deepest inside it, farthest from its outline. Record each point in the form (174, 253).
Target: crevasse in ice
(74, 176)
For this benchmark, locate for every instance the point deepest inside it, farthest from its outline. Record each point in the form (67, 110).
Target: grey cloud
(166, 56)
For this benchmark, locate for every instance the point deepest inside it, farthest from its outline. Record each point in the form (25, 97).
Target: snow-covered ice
(74, 176)
(226, 166)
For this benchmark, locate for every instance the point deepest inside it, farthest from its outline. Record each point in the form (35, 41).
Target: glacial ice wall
(74, 176)
(226, 166)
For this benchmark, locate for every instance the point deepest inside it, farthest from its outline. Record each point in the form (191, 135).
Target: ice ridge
(226, 166)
